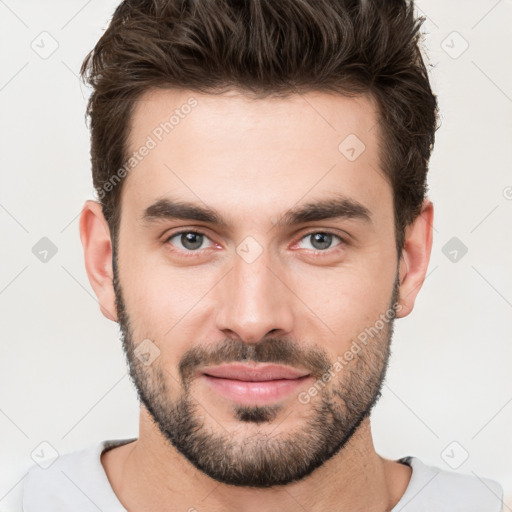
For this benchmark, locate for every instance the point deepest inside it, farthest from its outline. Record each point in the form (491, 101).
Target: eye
(190, 241)
(321, 240)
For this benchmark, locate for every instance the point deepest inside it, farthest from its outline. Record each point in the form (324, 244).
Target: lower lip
(260, 391)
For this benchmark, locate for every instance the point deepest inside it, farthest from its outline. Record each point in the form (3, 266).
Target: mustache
(270, 350)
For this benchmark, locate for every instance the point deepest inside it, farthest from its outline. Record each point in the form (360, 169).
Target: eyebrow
(332, 208)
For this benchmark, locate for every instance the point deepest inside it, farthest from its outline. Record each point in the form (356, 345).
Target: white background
(63, 376)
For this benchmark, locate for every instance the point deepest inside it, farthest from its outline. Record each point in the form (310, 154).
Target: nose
(254, 301)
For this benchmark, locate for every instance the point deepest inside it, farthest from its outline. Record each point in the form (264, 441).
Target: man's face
(303, 291)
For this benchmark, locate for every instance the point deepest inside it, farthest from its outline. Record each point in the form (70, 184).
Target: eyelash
(317, 252)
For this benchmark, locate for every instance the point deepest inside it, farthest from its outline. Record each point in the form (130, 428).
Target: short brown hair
(263, 48)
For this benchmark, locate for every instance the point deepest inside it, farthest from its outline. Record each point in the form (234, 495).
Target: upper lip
(254, 373)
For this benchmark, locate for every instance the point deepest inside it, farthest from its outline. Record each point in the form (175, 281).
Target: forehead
(243, 156)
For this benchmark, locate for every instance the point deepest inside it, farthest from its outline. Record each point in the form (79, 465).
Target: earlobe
(95, 237)
(415, 257)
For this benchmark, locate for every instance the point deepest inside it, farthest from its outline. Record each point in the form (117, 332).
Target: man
(262, 220)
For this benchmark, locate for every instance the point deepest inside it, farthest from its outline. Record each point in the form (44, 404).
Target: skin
(252, 160)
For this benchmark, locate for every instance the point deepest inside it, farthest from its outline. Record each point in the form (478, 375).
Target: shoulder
(75, 480)
(435, 490)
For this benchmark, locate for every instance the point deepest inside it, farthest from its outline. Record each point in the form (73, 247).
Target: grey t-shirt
(77, 482)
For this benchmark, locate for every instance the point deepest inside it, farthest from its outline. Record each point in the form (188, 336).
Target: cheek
(160, 297)
(347, 299)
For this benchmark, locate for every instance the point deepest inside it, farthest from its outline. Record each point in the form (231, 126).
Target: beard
(260, 460)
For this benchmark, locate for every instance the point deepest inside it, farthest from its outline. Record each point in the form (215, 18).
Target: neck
(149, 474)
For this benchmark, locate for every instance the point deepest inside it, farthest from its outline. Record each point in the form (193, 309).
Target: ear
(95, 237)
(415, 258)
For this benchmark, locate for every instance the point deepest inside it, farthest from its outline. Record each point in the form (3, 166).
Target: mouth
(254, 384)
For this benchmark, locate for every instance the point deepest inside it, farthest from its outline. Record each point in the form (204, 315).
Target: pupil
(321, 240)
(191, 240)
